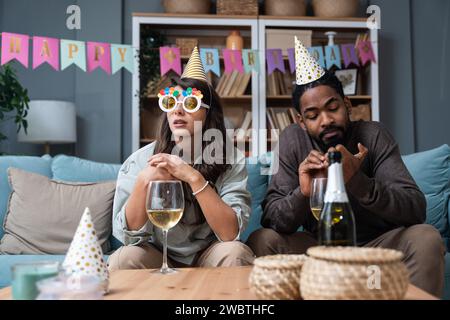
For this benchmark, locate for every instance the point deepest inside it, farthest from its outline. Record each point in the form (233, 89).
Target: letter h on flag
(14, 46)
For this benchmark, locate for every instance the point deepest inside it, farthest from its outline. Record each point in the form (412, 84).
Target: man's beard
(333, 141)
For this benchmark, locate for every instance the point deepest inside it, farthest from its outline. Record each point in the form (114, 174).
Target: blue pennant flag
(73, 52)
(210, 60)
(251, 60)
(317, 53)
(122, 56)
(333, 56)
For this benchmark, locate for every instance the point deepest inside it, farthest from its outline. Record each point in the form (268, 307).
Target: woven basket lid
(280, 261)
(355, 254)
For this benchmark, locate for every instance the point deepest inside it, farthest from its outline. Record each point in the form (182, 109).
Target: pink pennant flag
(366, 52)
(232, 60)
(45, 50)
(169, 59)
(14, 46)
(98, 55)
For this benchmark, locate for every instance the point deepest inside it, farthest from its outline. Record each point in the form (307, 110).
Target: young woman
(217, 204)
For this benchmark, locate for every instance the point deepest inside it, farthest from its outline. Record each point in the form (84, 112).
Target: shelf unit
(255, 34)
(318, 26)
(198, 26)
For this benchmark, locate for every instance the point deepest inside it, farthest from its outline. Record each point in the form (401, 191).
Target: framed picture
(348, 78)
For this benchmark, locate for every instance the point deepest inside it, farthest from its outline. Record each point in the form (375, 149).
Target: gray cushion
(43, 214)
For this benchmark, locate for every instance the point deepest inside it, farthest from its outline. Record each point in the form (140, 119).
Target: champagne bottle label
(336, 223)
(335, 185)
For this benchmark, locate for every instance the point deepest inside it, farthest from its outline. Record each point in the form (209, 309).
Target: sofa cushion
(41, 165)
(67, 168)
(431, 171)
(43, 214)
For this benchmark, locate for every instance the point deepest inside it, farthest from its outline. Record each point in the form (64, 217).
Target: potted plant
(149, 61)
(13, 99)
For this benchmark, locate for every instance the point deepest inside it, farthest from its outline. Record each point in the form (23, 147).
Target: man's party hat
(307, 68)
(85, 256)
(194, 68)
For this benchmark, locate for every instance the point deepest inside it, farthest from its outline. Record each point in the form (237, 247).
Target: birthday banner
(61, 53)
(248, 60)
(89, 56)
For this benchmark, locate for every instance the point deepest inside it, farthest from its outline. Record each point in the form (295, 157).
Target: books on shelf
(233, 84)
(221, 83)
(227, 88)
(280, 118)
(279, 84)
(243, 131)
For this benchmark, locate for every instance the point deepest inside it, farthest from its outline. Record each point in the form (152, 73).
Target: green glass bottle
(337, 222)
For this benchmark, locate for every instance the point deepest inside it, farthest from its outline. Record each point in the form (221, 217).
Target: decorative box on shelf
(186, 45)
(237, 7)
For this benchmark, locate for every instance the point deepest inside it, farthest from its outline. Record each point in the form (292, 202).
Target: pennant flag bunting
(333, 56)
(291, 57)
(317, 53)
(45, 50)
(232, 60)
(88, 56)
(210, 60)
(274, 58)
(14, 46)
(169, 58)
(250, 59)
(122, 56)
(73, 52)
(99, 55)
(349, 54)
(366, 53)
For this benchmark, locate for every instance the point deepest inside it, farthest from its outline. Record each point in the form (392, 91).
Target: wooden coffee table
(191, 284)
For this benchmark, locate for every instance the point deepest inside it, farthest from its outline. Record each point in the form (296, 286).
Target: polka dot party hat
(307, 68)
(85, 256)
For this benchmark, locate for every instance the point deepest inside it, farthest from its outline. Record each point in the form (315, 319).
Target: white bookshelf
(198, 26)
(313, 23)
(257, 26)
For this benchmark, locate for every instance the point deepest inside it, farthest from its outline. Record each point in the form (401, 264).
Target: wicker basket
(335, 8)
(277, 277)
(285, 7)
(349, 273)
(187, 6)
(237, 7)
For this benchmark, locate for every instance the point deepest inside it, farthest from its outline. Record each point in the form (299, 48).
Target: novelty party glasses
(192, 101)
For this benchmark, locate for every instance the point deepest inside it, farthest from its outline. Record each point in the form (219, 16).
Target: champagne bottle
(337, 222)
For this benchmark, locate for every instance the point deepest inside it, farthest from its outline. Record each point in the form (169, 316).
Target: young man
(388, 206)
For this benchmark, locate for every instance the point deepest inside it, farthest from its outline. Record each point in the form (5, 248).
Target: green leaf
(13, 99)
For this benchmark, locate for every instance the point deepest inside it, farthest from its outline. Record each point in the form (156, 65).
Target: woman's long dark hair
(214, 120)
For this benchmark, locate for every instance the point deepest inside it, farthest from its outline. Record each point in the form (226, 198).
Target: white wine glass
(317, 197)
(165, 205)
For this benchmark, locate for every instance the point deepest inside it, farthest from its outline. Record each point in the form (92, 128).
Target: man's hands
(316, 165)
(351, 163)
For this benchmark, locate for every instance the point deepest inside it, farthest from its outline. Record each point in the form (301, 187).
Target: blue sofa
(430, 169)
